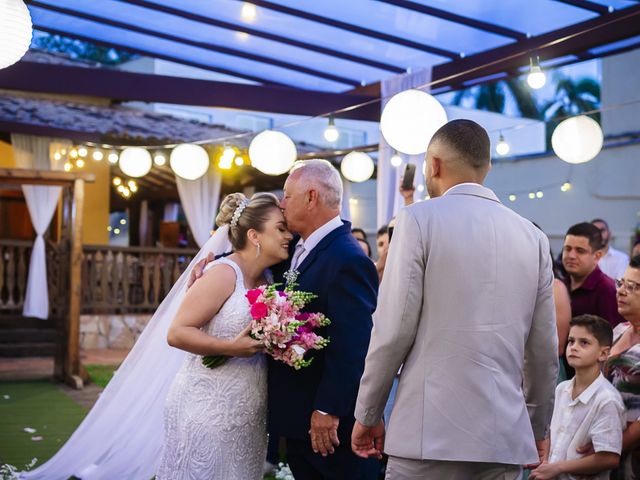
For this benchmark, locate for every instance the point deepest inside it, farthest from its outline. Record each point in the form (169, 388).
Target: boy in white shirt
(587, 408)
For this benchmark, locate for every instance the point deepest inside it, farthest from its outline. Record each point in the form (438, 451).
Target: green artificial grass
(100, 374)
(39, 405)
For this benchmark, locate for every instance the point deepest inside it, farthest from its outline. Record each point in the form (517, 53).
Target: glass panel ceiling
(534, 18)
(312, 53)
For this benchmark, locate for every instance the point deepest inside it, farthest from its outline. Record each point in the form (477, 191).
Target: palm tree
(571, 98)
(492, 97)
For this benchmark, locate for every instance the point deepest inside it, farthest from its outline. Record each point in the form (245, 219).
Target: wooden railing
(14, 261)
(114, 279)
(129, 279)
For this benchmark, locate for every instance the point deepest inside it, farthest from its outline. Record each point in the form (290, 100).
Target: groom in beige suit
(466, 308)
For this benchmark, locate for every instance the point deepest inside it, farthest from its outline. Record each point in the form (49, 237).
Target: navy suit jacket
(346, 283)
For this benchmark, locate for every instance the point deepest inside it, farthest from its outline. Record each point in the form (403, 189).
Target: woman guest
(623, 365)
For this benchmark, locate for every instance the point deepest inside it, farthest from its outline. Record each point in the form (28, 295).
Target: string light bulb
(539, 194)
(502, 148)
(79, 163)
(73, 153)
(536, 78)
(117, 181)
(331, 133)
(512, 198)
(67, 166)
(159, 159)
(248, 11)
(113, 158)
(83, 152)
(97, 156)
(57, 156)
(396, 160)
(532, 195)
(566, 186)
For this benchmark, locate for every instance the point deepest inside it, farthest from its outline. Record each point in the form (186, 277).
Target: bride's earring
(258, 251)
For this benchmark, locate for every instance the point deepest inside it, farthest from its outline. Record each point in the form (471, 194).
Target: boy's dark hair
(635, 262)
(383, 230)
(597, 326)
(589, 231)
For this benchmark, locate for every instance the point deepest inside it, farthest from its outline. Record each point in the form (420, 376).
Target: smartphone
(408, 176)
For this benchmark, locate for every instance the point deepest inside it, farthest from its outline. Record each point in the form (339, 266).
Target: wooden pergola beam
(68, 362)
(23, 176)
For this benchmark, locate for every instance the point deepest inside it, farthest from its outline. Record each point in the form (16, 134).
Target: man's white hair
(324, 177)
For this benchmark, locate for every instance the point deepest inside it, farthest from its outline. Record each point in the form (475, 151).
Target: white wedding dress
(215, 419)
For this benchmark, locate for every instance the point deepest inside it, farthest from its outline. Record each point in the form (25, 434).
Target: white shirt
(614, 263)
(316, 237)
(596, 416)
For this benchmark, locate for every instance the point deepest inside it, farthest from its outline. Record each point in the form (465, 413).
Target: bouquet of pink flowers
(277, 322)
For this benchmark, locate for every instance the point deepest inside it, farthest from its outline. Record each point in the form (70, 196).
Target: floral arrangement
(277, 321)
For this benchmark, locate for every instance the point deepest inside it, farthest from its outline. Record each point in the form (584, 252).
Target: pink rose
(252, 295)
(259, 310)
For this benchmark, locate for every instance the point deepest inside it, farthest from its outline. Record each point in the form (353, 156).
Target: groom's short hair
(324, 177)
(469, 141)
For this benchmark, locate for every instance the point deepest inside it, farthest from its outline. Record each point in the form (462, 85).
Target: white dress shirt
(596, 416)
(614, 263)
(314, 239)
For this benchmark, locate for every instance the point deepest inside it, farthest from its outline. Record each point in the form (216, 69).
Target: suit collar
(323, 244)
(474, 189)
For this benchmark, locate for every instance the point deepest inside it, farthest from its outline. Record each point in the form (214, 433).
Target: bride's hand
(245, 346)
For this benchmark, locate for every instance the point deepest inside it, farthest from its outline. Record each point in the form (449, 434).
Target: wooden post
(73, 374)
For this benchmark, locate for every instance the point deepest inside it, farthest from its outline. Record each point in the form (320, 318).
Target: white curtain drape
(389, 199)
(35, 153)
(200, 200)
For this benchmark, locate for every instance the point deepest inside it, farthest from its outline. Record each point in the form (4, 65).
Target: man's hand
(324, 433)
(586, 449)
(368, 441)
(543, 453)
(198, 269)
(545, 471)
(407, 195)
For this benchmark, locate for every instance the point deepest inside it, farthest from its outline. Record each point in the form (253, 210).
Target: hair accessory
(239, 209)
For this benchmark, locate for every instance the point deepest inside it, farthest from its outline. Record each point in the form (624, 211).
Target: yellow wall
(96, 204)
(7, 159)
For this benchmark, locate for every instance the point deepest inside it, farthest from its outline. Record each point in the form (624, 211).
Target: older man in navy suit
(313, 408)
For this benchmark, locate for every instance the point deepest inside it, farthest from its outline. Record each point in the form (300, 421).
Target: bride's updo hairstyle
(243, 214)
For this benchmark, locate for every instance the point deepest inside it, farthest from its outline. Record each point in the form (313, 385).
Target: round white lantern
(272, 152)
(135, 161)
(189, 161)
(15, 31)
(409, 120)
(577, 139)
(357, 167)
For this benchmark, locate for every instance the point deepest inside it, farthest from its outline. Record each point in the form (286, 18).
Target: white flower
(298, 349)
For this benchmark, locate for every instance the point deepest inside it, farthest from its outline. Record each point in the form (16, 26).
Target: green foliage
(101, 374)
(80, 49)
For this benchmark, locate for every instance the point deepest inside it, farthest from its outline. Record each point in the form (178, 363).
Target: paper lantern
(357, 167)
(577, 139)
(189, 161)
(15, 31)
(409, 120)
(135, 162)
(272, 152)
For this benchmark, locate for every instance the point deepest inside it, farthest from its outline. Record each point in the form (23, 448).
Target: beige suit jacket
(466, 305)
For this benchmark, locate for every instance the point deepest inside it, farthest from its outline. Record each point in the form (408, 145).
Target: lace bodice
(215, 419)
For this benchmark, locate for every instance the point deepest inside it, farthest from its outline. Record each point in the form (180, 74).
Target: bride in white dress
(165, 414)
(215, 420)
